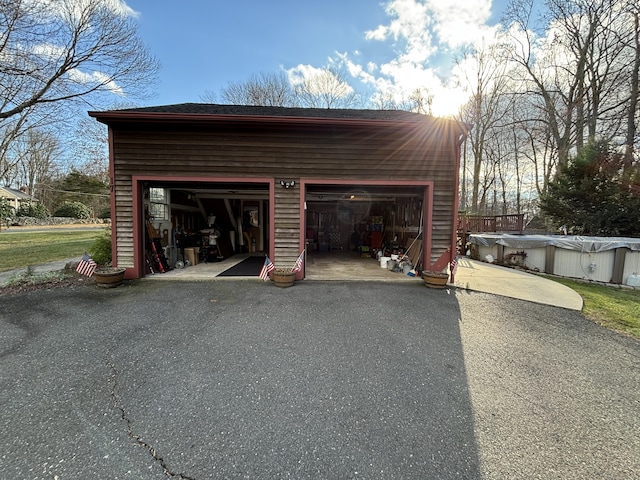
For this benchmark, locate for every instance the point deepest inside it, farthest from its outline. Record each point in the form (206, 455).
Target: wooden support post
(550, 259)
(618, 265)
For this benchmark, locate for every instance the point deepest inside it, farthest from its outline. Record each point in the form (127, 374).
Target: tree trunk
(633, 97)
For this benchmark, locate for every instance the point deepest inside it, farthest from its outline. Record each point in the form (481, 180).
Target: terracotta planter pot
(109, 277)
(435, 279)
(283, 279)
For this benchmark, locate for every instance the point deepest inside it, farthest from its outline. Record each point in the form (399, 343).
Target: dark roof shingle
(247, 110)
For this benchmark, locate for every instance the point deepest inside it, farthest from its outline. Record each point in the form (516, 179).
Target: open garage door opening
(190, 223)
(359, 225)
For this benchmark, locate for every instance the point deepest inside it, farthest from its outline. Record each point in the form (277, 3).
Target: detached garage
(216, 181)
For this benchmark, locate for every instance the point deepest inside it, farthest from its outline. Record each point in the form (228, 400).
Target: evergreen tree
(594, 194)
(78, 187)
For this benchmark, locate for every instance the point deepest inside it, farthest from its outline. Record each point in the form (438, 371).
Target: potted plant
(283, 277)
(516, 259)
(435, 279)
(106, 276)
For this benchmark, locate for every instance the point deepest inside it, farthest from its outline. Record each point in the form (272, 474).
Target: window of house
(158, 203)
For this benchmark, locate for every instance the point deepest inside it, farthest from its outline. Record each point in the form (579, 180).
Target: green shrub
(35, 210)
(6, 210)
(105, 213)
(100, 249)
(73, 210)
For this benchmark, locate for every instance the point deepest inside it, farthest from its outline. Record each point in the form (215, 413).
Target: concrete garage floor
(320, 266)
(350, 266)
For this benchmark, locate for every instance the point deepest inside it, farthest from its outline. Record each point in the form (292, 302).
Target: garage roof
(247, 110)
(190, 112)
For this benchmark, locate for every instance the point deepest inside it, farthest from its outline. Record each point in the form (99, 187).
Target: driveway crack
(113, 380)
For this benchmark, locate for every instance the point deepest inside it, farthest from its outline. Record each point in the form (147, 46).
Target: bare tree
(15, 131)
(547, 83)
(634, 93)
(578, 65)
(486, 112)
(91, 149)
(37, 153)
(68, 50)
(384, 101)
(263, 89)
(419, 101)
(324, 88)
(422, 101)
(9, 132)
(303, 87)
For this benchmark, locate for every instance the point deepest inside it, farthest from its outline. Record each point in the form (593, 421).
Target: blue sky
(392, 45)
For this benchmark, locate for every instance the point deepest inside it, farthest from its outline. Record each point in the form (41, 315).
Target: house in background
(15, 197)
(278, 180)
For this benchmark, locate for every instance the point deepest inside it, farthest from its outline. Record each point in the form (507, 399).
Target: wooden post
(618, 265)
(550, 258)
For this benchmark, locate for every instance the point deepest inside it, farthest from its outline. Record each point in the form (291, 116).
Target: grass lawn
(21, 249)
(613, 307)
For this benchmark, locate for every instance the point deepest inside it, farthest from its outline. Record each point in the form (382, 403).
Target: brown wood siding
(403, 152)
(124, 220)
(287, 225)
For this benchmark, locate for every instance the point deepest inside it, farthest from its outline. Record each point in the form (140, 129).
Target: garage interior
(203, 229)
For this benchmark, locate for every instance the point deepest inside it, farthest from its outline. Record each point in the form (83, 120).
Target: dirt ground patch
(23, 286)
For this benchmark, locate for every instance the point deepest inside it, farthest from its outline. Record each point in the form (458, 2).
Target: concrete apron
(348, 266)
(319, 266)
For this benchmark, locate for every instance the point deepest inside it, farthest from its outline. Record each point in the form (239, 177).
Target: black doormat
(248, 267)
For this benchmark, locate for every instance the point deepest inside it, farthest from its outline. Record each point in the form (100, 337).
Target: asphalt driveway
(322, 380)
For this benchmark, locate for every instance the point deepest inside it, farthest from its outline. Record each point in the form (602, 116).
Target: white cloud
(121, 7)
(298, 73)
(410, 24)
(49, 50)
(76, 7)
(424, 33)
(461, 22)
(317, 81)
(95, 77)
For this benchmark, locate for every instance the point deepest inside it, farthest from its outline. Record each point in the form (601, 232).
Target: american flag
(86, 266)
(454, 266)
(298, 266)
(266, 268)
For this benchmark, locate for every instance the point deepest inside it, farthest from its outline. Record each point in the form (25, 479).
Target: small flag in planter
(454, 266)
(86, 266)
(266, 268)
(298, 266)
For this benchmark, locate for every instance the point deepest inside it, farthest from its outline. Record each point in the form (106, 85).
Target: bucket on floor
(384, 261)
(391, 264)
